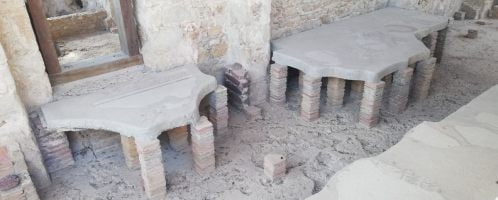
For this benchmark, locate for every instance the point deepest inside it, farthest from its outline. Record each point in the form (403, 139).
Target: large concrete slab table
(367, 49)
(140, 110)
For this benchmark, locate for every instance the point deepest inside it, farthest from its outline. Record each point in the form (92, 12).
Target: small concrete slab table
(366, 48)
(140, 110)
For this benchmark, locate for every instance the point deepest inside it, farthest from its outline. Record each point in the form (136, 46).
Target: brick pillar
(203, 146)
(178, 138)
(371, 103)
(151, 167)
(357, 88)
(387, 88)
(278, 83)
(310, 104)
(335, 91)
(441, 41)
(430, 42)
(218, 109)
(130, 152)
(54, 147)
(400, 90)
(422, 78)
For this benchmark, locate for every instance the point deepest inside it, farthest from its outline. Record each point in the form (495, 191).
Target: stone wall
(77, 24)
(14, 125)
(23, 55)
(212, 34)
(292, 16)
(436, 7)
(54, 8)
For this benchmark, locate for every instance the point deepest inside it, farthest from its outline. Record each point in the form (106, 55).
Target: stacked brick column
(400, 90)
(178, 138)
(300, 80)
(357, 88)
(422, 78)
(278, 83)
(203, 146)
(130, 152)
(310, 104)
(335, 91)
(54, 147)
(430, 42)
(371, 104)
(151, 167)
(218, 109)
(387, 88)
(441, 41)
(237, 84)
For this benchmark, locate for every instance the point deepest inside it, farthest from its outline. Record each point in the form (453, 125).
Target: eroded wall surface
(14, 124)
(292, 16)
(436, 7)
(53, 8)
(23, 55)
(212, 34)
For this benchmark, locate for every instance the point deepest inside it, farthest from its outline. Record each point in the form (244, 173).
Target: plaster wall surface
(14, 125)
(435, 7)
(211, 34)
(292, 16)
(23, 55)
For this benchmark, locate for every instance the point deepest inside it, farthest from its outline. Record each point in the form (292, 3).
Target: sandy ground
(88, 46)
(315, 150)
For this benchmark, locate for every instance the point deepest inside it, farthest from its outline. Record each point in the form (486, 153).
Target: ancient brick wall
(292, 16)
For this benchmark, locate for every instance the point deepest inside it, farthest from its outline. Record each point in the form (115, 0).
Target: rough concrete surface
(428, 162)
(314, 151)
(366, 47)
(139, 108)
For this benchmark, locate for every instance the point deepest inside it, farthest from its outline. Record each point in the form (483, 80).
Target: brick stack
(441, 41)
(371, 104)
(218, 109)
(237, 84)
(278, 83)
(310, 103)
(275, 166)
(400, 90)
(54, 147)
(335, 91)
(387, 88)
(422, 78)
(203, 146)
(151, 167)
(130, 152)
(357, 89)
(178, 138)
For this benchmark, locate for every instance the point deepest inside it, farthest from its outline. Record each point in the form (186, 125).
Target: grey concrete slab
(137, 108)
(366, 47)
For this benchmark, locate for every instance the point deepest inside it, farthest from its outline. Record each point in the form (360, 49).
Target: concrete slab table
(140, 110)
(387, 44)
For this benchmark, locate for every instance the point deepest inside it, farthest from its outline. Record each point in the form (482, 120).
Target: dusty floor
(88, 46)
(315, 150)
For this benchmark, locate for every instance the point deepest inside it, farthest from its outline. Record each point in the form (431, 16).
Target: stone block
(275, 166)
(460, 15)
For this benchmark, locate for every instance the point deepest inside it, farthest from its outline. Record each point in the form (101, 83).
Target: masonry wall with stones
(54, 8)
(436, 7)
(213, 34)
(292, 16)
